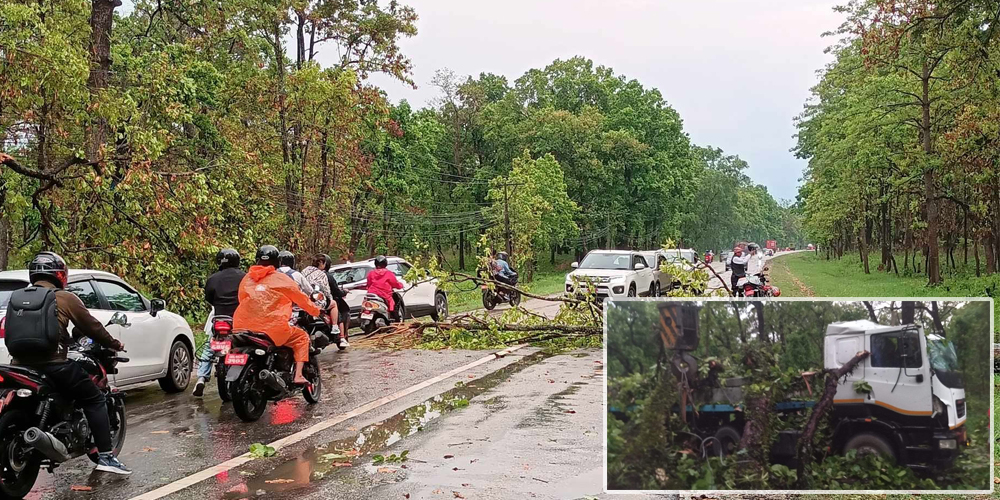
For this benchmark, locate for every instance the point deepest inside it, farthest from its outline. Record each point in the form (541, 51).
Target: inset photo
(799, 395)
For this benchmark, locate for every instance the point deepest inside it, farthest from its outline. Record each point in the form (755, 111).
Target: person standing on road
(738, 264)
(48, 271)
(222, 292)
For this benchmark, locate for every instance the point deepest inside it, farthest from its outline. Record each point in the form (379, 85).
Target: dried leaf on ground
(279, 481)
(76, 487)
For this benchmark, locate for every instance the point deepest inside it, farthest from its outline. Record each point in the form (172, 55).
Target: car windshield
(349, 275)
(617, 261)
(944, 362)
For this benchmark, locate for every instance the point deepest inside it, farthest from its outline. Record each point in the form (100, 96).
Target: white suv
(615, 273)
(159, 342)
(420, 299)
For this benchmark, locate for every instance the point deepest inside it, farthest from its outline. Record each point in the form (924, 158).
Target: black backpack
(32, 324)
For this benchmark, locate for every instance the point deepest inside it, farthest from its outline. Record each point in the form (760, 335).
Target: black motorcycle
(222, 326)
(259, 371)
(41, 428)
(500, 294)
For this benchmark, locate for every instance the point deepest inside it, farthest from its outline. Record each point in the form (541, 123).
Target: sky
(737, 71)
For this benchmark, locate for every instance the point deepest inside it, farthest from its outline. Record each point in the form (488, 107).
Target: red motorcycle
(756, 286)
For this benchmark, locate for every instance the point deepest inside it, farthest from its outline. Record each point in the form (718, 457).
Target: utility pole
(506, 218)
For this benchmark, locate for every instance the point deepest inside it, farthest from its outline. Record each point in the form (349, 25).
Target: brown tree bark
(101, 19)
(871, 311)
(805, 445)
(933, 267)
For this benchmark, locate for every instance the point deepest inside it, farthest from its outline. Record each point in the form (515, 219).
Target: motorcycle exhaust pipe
(272, 380)
(46, 444)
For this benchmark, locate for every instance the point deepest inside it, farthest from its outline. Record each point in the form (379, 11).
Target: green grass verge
(548, 280)
(845, 278)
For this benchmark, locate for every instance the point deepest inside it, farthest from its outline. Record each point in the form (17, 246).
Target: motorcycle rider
(49, 270)
(316, 274)
(504, 273)
(738, 264)
(222, 292)
(382, 282)
(343, 310)
(266, 298)
(286, 265)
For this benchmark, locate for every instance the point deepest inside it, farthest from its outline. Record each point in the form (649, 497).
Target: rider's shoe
(199, 388)
(106, 462)
(342, 343)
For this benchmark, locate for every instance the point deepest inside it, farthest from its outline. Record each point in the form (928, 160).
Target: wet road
(172, 436)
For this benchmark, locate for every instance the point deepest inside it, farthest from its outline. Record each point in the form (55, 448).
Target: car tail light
(3, 327)
(223, 327)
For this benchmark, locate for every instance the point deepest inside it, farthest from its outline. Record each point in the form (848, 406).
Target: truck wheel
(729, 440)
(868, 443)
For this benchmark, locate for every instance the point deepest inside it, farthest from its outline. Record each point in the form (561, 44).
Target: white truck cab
(906, 398)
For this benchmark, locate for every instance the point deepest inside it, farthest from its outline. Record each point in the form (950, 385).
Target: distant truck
(772, 244)
(908, 403)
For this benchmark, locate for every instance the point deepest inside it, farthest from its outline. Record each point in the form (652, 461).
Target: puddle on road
(321, 462)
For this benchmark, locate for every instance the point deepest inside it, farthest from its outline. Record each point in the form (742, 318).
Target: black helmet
(502, 256)
(286, 258)
(227, 257)
(381, 262)
(321, 258)
(267, 255)
(50, 267)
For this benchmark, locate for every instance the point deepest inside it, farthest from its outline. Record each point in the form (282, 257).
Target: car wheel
(178, 368)
(440, 307)
(631, 290)
(870, 444)
(658, 291)
(652, 290)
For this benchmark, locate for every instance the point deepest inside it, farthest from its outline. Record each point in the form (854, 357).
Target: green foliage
(391, 459)
(258, 450)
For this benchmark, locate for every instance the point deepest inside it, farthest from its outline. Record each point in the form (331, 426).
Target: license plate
(236, 359)
(221, 345)
(367, 315)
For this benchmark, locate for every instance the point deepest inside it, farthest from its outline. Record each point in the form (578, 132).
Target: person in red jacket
(382, 282)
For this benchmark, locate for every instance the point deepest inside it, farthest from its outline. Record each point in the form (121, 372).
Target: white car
(159, 343)
(420, 299)
(615, 273)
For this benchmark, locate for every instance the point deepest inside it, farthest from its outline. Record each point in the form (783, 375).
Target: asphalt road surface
(472, 425)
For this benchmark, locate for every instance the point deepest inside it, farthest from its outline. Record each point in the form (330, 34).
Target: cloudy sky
(737, 71)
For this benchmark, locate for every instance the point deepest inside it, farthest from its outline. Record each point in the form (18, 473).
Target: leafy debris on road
(76, 487)
(258, 450)
(279, 481)
(381, 459)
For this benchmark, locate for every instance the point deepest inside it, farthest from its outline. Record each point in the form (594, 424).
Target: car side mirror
(639, 267)
(119, 319)
(156, 305)
(575, 265)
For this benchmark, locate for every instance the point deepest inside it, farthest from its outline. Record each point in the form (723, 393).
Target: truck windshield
(616, 261)
(944, 362)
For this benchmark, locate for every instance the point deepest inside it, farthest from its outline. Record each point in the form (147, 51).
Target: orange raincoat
(266, 298)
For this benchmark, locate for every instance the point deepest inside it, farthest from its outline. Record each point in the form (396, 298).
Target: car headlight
(948, 444)
(617, 279)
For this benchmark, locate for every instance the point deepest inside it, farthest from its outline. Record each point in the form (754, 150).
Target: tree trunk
(871, 311)
(759, 308)
(933, 267)
(101, 19)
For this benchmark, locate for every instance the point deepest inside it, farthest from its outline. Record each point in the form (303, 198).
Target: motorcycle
(222, 326)
(500, 294)
(41, 428)
(756, 286)
(258, 371)
(375, 312)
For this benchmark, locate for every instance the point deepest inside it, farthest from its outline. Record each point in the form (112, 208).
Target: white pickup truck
(614, 273)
